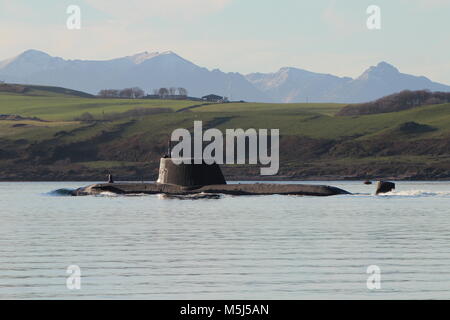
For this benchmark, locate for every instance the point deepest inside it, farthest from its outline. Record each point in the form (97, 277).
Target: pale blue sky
(240, 35)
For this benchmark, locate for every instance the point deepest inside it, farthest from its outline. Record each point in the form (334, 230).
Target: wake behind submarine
(188, 179)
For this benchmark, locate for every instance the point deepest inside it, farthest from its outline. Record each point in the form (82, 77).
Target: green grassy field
(313, 137)
(67, 107)
(313, 119)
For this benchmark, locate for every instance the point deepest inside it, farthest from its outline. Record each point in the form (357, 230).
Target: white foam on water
(107, 194)
(417, 193)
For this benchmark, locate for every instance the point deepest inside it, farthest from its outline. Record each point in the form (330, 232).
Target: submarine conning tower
(189, 174)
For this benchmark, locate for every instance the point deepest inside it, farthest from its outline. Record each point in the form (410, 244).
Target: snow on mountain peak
(143, 56)
(384, 66)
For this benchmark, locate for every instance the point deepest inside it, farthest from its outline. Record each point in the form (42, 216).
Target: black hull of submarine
(229, 189)
(190, 178)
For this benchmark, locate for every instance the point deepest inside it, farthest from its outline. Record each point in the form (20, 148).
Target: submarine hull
(191, 178)
(230, 189)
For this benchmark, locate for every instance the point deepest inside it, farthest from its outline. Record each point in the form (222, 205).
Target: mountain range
(150, 70)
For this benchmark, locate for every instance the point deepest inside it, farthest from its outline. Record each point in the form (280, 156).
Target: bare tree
(182, 92)
(109, 93)
(138, 93)
(126, 93)
(172, 91)
(163, 93)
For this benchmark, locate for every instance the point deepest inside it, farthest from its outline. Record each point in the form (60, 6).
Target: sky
(329, 36)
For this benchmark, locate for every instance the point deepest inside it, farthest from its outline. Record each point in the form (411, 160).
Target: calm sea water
(266, 247)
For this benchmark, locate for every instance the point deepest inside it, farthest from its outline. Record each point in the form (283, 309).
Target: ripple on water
(142, 246)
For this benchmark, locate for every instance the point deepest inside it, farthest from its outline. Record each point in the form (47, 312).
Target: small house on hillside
(214, 98)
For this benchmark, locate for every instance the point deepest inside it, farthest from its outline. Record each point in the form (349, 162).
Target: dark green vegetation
(33, 90)
(397, 102)
(64, 135)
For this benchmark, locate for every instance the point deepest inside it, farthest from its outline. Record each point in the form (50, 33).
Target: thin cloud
(337, 20)
(141, 10)
(431, 4)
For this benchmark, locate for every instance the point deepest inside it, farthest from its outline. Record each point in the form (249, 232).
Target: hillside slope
(36, 90)
(127, 138)
(397, 102)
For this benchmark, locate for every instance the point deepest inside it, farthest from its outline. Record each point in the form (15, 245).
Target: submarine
(190, 178)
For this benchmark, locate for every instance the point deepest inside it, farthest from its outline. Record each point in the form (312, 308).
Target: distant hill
(35, 90)
(145, 70)
(297, 85)
(397, 102)
(150, 70)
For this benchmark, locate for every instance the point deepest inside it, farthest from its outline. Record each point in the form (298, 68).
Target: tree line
(138, 93)
(397, 102)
